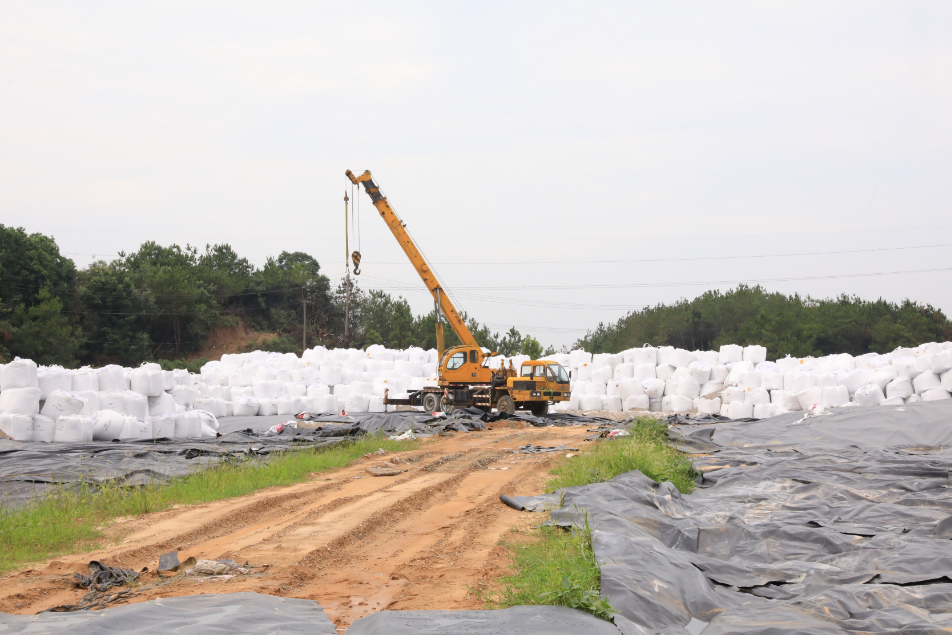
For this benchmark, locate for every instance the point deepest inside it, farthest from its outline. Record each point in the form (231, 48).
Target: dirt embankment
(230, 340)
(358, 544)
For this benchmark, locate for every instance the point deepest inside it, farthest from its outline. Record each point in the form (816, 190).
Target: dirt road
(356, 543)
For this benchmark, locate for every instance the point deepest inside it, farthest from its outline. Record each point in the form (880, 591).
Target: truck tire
(539, 408)
(506, 404)
(431, 402)
(447, 405)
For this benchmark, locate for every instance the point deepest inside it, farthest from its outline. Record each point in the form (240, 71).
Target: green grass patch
(557, 566)
(646, 450)
(63, 521)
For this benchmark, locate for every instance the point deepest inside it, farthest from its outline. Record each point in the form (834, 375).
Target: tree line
(161, 303)
(793, 325)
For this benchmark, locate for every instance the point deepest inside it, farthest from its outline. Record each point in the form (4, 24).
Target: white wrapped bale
(135, 405)
(20, 373)
(184, 378)
(611, 403)
(912, 399)
(925, 381)
(18, 427)
(597, 388)
(945, 380)
(907, 367)
(147, 381)
(624, 371)
(630, 388)
(84, 379)
(107, 425)
(799, 381)
(589, 402)
(267, 406)
(185, 395)
(161, 406)
(163, 427)
(755, 354)
(772, 381)
(752, 379)
(711, 358)
(687, 387)
(244, 376)
(676, 404)
(44, 429)
(785, 400)
(708, 406)
(900, 387)
(756, 396)
(787, 364)
(670, 387)
(882, 376)
(73, 429)
(91, 403)
(644, 371)
(700, 371)
(739, 409)
(835, 396)
(892, 401)
(637, 402)
(935, 394)
(810, 397)
(644, 355)
(763, 411)
(20, 401)
(941, 362)
(720, 373)
(62, 403)
(111, 378)
(681, 358)
(869, 395)
(285, 406)
(730, 353)
(732, 394)
(664, 372)
(112, 401)
(245, 406)
(738, 370)
(51, 379)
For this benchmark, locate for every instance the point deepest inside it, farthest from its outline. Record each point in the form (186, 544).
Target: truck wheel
(431, 402)
(539, 408)
(446, 405)
(506, 404)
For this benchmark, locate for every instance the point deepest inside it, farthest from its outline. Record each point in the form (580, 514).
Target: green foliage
(30, 263)
(511, 343)
(786, 325)
(42, 333)
(531, 347)
(554, 567)
(646, 449)
(64, 520)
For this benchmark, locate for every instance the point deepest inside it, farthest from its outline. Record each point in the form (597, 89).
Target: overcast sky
(504, 134)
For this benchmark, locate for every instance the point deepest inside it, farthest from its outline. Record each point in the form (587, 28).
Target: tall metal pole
(304, 302)
(347, 268)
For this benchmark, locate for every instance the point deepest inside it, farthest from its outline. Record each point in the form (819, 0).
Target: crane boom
(442, 302)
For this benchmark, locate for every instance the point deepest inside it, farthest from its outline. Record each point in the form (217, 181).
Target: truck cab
(538, 383)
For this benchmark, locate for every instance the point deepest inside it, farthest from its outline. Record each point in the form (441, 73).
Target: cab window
(538, 371)
(527, 371)
(472, 357)
(457, 360)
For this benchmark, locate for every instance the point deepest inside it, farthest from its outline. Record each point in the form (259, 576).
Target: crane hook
(356, 258)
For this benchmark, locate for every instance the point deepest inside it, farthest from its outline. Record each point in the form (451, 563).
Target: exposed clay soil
(230, 340)
(355, 543)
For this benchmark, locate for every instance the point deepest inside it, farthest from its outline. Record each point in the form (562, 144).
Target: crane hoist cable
(355, 227)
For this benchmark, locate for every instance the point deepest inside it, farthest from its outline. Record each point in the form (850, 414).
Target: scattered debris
(99, 581)
(379, 452)
(538, 449)
(617, 433)
(217, 568)
(406, 436)
(384, 471)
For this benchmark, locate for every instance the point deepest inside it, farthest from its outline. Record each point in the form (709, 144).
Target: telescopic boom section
(443, 304)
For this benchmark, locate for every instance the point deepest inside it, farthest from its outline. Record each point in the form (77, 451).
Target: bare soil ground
(356, 543)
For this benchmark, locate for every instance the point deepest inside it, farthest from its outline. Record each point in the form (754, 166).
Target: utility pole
(347, 268)
(304, 302)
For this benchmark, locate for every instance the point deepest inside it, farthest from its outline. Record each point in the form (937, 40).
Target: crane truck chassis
(465, 376)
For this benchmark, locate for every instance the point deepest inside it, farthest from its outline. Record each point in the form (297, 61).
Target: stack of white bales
(739, 382)
(320, 381)
(50, 403)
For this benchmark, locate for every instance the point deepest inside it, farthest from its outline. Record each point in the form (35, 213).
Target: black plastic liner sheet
(518, 620)
(27, 469)
(839, 523)
(226, 613)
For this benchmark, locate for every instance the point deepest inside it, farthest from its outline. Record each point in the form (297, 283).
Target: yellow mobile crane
(465, 378)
